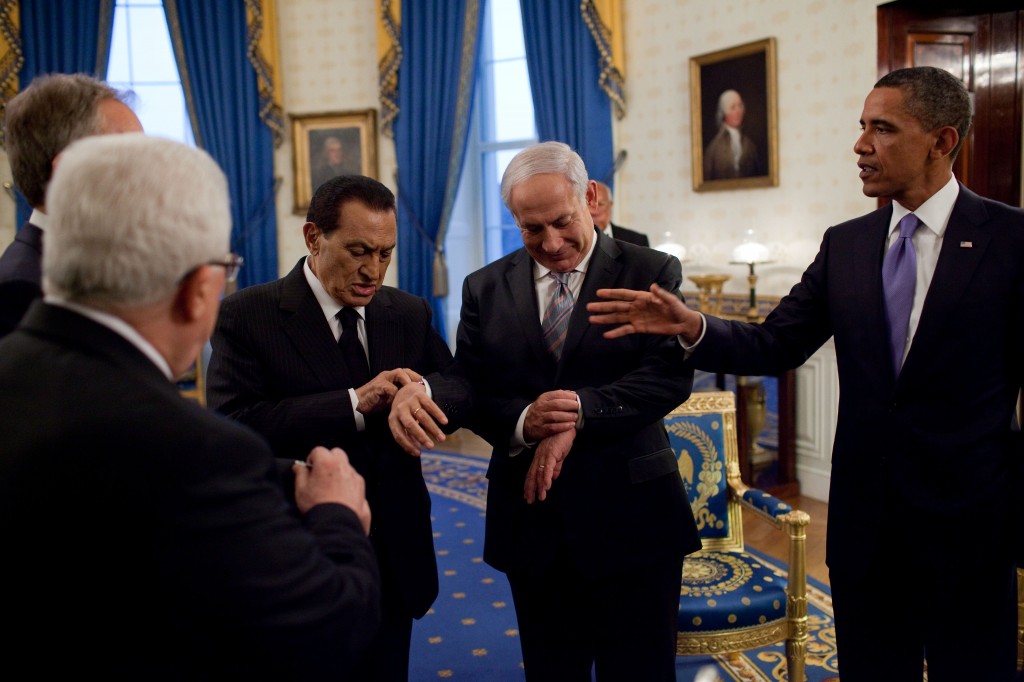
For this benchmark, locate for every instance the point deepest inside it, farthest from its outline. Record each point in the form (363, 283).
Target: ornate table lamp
(750, 390)
(750, 253)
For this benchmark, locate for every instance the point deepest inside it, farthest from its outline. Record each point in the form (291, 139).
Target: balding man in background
(602, 215)
(40, 121)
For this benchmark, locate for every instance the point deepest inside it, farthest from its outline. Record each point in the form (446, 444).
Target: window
(142, 60)
(481, 229)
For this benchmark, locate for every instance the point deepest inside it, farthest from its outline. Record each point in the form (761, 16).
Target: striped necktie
(556, 317)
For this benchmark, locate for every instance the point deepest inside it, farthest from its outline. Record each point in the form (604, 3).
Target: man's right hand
(645, 312)
(552, 412)
(327, 477)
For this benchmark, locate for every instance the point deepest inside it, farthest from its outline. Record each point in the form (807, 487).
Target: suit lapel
(957, 264)
(304, 323)
(522, 293)
(602, 271)
(382, 329)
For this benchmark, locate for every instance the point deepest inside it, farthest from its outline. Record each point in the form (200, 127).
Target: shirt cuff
(357, 415)
(689, 348)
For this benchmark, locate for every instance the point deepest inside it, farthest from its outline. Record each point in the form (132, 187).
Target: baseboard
(813, 483)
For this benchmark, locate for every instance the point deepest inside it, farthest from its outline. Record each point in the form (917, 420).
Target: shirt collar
(118, 326)
(39, 219)
(540, 272)
(934, 212)
(327, 303)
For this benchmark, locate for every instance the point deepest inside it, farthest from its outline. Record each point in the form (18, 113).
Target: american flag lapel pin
(966, 245)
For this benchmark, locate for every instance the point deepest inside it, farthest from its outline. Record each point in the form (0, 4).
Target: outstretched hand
(644, 312)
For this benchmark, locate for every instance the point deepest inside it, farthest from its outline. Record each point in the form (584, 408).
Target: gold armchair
(729, 601)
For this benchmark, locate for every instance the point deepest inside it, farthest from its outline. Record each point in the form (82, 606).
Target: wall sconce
(672, 248)
(751, 252)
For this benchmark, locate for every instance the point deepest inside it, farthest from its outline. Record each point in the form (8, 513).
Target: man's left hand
(547, 465)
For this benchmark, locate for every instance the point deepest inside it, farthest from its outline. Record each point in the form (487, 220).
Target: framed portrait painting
(734, 118)
(327, 145)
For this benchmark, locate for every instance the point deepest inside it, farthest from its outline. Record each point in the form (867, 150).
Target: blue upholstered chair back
(702, 433)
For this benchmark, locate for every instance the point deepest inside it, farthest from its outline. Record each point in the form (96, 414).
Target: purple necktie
(556, 317)
(899, 275)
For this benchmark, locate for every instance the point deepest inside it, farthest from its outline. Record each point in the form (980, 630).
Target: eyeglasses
(232, 263)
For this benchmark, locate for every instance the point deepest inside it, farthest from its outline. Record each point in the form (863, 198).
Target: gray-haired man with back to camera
(146, 535)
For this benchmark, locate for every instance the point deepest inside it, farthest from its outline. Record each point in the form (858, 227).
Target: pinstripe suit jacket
(276, 367)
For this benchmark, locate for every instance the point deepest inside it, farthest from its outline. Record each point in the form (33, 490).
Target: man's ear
(592, 194)
(311, 235)
(945, 141)
(201, 289)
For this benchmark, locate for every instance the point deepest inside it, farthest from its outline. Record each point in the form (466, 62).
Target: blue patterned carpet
(471, 631)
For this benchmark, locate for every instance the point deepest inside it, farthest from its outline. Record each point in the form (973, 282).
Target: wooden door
(983, 50)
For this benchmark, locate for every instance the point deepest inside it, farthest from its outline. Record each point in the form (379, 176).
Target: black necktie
(355, 355)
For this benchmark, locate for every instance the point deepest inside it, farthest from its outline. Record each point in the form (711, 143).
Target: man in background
(586, 511)
(40, 121)
(925, 300)
(146, 535)
(602, 215)
(316, 357)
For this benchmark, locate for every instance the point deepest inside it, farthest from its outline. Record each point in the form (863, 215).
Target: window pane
(513, 102)
(152, 57)
(161, 108)
(119, 67)
(506, 29)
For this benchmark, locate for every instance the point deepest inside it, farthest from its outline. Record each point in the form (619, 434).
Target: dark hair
(325, 208)
(44, 118)
(935, 97)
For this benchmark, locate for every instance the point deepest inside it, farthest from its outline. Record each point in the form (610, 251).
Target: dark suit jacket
(20, 276)
(276, 367)
(939, 436)
(620, 501)
(147, 534)
(627, 235)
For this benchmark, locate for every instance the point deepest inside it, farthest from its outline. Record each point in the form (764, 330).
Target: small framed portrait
(734, 118)
(327, 145)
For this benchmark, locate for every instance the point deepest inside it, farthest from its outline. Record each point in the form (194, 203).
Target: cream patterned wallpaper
(826, 66)
(329, 62)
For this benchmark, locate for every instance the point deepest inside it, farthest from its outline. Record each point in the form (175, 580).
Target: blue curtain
(211, 45)
(63, 36)
(564, 67)
(440, 40)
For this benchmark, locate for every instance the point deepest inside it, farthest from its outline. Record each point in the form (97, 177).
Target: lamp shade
(750, 252)
(672, 248)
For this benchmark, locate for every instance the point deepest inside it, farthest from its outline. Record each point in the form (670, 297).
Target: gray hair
(545, 157)
(44, 118)
(130, 216)
(722, 104)
(935, 97)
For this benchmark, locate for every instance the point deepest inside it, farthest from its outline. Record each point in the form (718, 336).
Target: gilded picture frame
(734, 118)
(330, 144)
